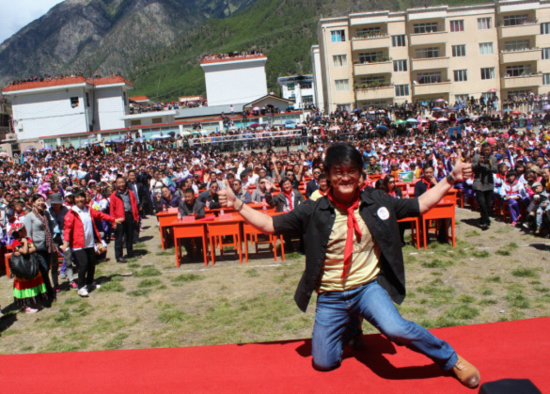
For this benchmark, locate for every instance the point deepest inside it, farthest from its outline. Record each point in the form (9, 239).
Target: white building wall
(49, 113)
(235, 82)
(318, 97)
(111, 107)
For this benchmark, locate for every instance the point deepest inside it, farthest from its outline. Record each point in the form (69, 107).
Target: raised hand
(462, 170)
(226, 197)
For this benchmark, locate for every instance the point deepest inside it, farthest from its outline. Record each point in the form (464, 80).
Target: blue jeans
(335, 309)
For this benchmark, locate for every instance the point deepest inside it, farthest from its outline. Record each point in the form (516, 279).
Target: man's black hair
(343, 154)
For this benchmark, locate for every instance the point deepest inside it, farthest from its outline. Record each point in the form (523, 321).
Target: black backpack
(24, 266)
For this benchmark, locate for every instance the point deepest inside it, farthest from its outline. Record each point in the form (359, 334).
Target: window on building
(512, 93)
(429, 27)
(516, 71)
(370, 57)
(545, 28)
(340, 60)
(545, 53)
(516, 45)
(307, 99)
(306, 85)
(546, 79)
(372, 79)
(398, 41)
(514, 20)
(461, 75)
(431, 77)
(483, 23)
(338, 35)
(457, 26)
(135, 122)
(488, 73)
(459, 50)
(461, 98)
(399, 65)
(74, 102)
(486, 48)
(342, 85)
(290, 86)
(124, 98)
(87, 99)
(368, 31)
(402, 90)
(343, 107)
(424, 53)
(156, 120)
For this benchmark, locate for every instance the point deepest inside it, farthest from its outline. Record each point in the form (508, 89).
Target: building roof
(139, 98)
(64, 82)
(207, 111)
(268, 96)
(237, 58)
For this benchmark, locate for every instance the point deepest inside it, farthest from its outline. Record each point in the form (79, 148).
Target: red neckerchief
(428, 184)
(321, 192)
(352, 224)
(392, 194)
(289, 197)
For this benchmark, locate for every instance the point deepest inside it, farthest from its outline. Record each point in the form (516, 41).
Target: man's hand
(268, 186)
(159, 197)
(226, 197)
(119, 220)
(462, 170)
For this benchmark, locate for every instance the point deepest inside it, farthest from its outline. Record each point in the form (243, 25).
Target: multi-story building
(379, 58)
(298, 88)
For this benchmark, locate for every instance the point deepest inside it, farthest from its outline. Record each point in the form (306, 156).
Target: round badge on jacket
(383, 213)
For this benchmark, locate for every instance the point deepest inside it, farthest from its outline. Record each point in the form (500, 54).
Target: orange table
(222, 228)
(443, 210)
(165, 222)
(189, 230)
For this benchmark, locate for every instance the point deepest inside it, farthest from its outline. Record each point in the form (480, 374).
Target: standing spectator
(80, 234)
(124, 206)
(484, 166)
(58, 212)
(314, 183)
(39, 225)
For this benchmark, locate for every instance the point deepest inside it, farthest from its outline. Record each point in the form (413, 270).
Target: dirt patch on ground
(496, 275)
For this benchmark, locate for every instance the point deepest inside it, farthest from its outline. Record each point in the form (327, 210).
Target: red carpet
(516, 349)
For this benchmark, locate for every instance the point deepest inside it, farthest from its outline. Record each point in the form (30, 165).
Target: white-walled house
(298, 88)
(67, 105)
(235, 80)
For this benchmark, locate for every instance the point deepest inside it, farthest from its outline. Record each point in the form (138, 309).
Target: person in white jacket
(513, 192)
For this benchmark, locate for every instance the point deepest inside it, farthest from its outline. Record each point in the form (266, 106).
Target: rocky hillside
(104, 35)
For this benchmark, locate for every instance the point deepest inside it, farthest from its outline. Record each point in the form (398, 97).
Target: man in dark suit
(93, 174)
(314, 183)
(140, 193)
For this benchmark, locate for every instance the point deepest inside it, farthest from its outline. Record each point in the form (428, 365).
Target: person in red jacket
(124, 206)
(81, 235)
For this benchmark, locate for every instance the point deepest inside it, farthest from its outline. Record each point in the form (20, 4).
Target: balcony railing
(430, 63)
(526, 29)
(521, 81)
(382, 67)
(520, 55)
(432, 88)
(368, 42)
(428, 38)
(381, 91)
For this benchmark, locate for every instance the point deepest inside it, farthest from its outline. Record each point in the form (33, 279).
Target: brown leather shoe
(466, 373)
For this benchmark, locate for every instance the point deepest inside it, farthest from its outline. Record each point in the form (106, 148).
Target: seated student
(323, 188)
(511, 192)
(166, 199)
(240, 193)
(26, 292)
(189, 206)
(19, 211)
(258, 195)
(210, 197)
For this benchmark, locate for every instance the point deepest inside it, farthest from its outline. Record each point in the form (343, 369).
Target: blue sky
(15, 14)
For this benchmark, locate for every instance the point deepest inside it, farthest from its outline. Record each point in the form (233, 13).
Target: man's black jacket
(315, 219)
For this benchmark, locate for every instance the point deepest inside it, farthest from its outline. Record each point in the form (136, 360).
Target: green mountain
(104, 36)
(283, 29)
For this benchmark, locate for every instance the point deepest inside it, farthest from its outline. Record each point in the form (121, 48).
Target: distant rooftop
(52, 82)
(208, 111)
(139, 98)
(231, 57)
